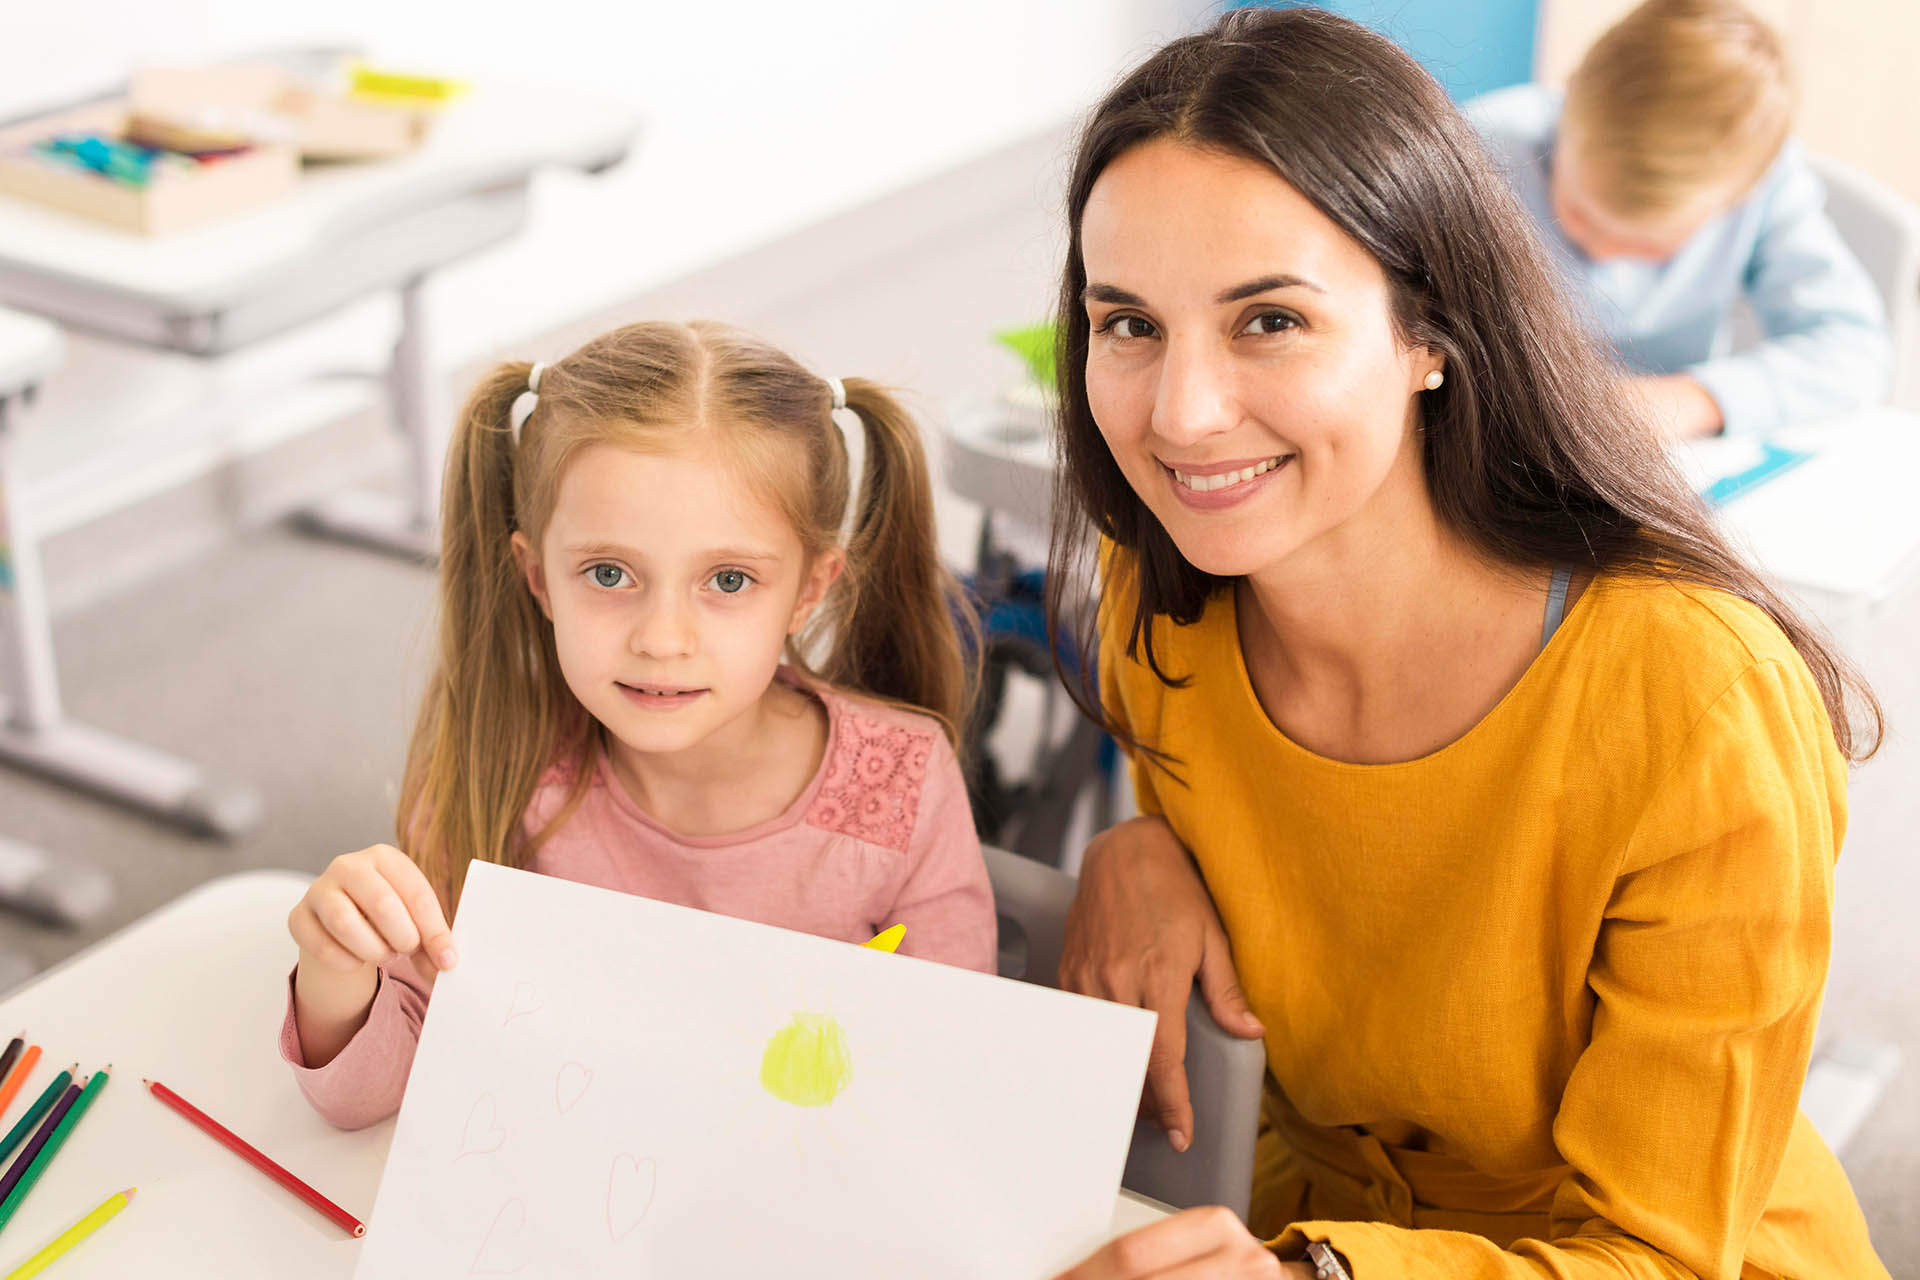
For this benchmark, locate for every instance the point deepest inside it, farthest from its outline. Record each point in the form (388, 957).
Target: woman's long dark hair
(1531, 453)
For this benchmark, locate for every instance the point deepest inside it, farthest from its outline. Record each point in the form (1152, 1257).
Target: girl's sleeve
(1706, 978)
(365, 1081)
(946, 902)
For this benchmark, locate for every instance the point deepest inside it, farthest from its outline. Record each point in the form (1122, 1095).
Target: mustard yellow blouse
(1540, 1003)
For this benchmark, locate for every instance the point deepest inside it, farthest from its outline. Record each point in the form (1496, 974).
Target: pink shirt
(882, 835)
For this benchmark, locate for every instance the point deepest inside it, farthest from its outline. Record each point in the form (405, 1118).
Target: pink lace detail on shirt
(871, 790)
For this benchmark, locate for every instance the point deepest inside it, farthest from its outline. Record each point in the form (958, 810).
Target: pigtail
(896, 625)
(496, 704)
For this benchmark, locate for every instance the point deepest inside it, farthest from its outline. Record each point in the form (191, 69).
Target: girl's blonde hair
(1678, 97)
(498, 713)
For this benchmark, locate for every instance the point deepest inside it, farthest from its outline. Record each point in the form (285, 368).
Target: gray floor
(295, 664)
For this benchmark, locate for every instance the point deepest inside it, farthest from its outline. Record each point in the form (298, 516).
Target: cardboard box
(175, 200)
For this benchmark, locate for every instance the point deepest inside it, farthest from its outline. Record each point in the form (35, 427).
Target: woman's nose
(1195, 398)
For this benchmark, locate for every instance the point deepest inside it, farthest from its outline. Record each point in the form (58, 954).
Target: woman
(1516, 792)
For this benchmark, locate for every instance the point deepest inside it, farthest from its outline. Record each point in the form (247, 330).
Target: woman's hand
(1141, 928)
(1200, 1244)
(365, 908)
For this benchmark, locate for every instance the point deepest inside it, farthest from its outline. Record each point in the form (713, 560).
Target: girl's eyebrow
(631, 553)
(1265, 284)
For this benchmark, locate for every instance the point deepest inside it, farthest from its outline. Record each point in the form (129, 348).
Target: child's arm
(947, 903)
(372, 936)
(1826, 349)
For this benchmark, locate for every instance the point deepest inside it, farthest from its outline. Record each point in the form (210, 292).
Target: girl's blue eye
(608, 575)
(730, 581)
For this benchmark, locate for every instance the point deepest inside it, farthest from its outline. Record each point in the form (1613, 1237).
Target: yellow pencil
(72, 1236)
(887, 939)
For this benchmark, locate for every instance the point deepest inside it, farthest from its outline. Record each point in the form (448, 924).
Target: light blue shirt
(1824, 346)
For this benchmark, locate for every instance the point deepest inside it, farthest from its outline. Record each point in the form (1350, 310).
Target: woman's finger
(1197, 1235)
(1168, 1102)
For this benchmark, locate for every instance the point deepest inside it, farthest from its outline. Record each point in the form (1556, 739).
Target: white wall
(761, 116)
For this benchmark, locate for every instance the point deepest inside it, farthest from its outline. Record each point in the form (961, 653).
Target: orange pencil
(18, 1076)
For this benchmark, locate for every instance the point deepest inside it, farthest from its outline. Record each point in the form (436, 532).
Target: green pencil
(41, 1161)
(41, 1105)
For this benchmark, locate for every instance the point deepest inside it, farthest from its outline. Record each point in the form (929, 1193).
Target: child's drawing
(526, 1000)
(508, 1246)
(808, 1061)
(629, 1195)
(570, 1086)
(483, 1132)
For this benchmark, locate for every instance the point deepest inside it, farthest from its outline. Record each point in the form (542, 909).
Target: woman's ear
(821, 575)
(532, 570)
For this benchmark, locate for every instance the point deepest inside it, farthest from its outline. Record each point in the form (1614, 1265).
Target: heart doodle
(508, 1245)
(629, 1195)
(483, 1132)
(526, 1000)
(570, 1086)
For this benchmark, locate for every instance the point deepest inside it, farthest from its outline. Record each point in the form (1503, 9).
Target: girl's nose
(1195, 398)
(664, 630)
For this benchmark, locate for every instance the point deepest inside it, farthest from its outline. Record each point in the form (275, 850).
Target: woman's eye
(730, 581)
(608, 575)
(1127, 327)
(1271, 322)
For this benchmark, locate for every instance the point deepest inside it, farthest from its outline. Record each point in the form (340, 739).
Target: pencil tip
(130, 1192)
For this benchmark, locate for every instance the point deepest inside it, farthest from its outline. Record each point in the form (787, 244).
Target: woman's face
(1242, 363)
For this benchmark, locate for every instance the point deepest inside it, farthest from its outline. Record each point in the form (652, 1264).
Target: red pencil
(265, 1164)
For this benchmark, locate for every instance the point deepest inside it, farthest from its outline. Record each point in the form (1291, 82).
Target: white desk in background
(348, 231)
(193, 996)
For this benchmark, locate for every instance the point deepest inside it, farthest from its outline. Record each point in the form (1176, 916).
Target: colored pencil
(68, 1123)
(12, 1054)
(259, 1160)
(30, 1154)
(18, 1078)
(40, 1107)
(73, 1235)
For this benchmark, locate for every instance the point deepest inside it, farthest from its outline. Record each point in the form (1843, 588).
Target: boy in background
(1666, 183)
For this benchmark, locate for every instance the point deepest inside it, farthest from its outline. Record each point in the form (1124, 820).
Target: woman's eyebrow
(1265, 284)
(1119, 297)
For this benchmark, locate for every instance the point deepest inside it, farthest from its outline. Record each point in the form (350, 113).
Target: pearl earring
(1434, 379)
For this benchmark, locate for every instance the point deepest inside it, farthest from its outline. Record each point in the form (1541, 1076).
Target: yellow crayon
(887, 939)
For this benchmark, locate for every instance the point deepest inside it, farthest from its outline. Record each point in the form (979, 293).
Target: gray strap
(1556, 603)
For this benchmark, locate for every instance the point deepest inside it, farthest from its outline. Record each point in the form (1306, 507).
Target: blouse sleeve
(1706, 977)
(364, 1082)
(946, 902)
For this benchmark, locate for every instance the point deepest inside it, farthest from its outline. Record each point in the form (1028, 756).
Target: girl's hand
(1200, 1244)
(1141, 927)
(365, 908)
(368, 907)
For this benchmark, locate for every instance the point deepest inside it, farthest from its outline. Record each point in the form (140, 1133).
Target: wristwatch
(1326, 1263)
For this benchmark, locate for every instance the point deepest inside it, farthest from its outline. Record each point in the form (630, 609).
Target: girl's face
(672, 588)
(1242, 363)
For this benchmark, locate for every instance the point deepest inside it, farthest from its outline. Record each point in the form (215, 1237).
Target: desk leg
(35, 733)
(407, 526)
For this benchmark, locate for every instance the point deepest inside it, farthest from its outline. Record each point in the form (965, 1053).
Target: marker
(887, 939)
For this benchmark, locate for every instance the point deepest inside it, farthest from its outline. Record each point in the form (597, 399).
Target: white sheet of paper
(588, 1100)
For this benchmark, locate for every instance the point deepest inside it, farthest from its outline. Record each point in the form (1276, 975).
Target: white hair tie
(853, 434)
(525, 403)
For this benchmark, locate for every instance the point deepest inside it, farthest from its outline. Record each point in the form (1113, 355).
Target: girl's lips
(1227, 495)
(661, 697)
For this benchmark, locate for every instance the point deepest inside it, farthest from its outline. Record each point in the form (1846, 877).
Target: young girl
(641, 544)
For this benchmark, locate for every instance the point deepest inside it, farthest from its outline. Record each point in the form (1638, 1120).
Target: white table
(193, 996)
(346, 232)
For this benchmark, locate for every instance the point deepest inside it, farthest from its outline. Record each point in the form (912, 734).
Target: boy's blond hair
(1679, 97)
